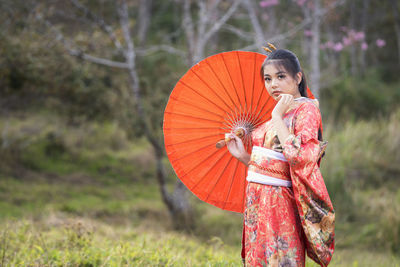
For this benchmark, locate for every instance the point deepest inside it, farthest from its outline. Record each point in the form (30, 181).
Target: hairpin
(267, 49)
(271, 46)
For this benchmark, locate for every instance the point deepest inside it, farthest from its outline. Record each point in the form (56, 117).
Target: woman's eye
(281, 76)
(267, 79)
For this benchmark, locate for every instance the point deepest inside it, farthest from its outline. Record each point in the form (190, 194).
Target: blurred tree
(396, 24)
(123, 56)
(206, 26)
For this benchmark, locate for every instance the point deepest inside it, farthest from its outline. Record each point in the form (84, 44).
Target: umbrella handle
(239, 132)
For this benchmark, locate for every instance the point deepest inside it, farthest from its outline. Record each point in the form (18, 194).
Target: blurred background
(84, 180)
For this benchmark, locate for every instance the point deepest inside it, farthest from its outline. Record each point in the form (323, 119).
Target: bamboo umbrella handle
(238, 132)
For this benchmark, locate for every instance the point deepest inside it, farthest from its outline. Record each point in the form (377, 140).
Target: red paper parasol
(219, 95)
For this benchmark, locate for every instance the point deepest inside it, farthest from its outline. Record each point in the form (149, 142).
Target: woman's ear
(299, 76)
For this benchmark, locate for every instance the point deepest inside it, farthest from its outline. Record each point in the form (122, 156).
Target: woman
(288, 210)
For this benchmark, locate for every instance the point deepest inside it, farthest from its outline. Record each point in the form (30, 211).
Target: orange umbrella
(221, 94)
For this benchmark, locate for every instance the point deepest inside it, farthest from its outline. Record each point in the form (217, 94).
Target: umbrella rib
(189, 116)
(262, 92)
(259, 112)
(211, 89)
(252, 86)
(232, 180)
(202, 109)
(212, 166)
(265, 113)
(219, 178)
(201, 162)
(223, 86)
(191, 140)
(223, 59)
(258, 104)
(192, 152)
(241, 75)
(194, 128)
(201, 95)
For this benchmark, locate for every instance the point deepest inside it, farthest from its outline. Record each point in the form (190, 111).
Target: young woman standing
(288, 210)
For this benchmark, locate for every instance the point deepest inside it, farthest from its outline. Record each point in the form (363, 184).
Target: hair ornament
(267, 49)
(271, 46)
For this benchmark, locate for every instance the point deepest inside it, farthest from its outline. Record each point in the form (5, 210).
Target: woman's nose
(273, 82)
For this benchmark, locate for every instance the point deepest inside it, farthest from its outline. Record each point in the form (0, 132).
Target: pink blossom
(308, 33)
(301, 2)
(329, 44)
(380, 43)
(338, 47)
(358, 36)
(364, 46)
(267, 3)
(346, 41)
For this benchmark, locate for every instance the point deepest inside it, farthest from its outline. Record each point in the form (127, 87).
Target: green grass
(60, 239)
(89, 197)
(127, 225)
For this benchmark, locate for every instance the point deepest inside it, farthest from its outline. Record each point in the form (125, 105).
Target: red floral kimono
(282, 223)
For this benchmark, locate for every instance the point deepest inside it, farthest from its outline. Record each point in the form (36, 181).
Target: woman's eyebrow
(279, 72)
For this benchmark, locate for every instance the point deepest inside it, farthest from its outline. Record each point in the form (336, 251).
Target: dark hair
(289, 61)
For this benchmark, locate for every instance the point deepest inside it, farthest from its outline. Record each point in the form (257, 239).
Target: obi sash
(268, 167)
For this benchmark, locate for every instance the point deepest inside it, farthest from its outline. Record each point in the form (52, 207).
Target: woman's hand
(277, 116)
(284, 102)
(237, 149)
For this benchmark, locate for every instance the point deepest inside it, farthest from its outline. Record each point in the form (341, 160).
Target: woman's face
(279, 81)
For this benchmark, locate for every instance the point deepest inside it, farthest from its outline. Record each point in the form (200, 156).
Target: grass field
(75, 222)
(88, 197)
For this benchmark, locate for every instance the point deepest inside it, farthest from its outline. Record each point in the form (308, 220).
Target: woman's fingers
(286, 98)
(283, 104)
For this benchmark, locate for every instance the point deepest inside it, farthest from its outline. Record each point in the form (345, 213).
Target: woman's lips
(277, 93)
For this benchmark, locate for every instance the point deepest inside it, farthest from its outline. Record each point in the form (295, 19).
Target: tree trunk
(395, 10)
(144, 20)
(364, 22)
(259, 34)
(177, 203)
(306, 40)
(353, 50)
(315, 43)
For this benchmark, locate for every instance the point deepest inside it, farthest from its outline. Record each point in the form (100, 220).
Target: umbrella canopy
(221, 94)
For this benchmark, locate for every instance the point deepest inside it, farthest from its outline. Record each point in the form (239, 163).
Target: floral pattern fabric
(281, 224)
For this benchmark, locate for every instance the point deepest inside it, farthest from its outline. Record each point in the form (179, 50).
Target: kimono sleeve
(302, 150)
(302, 147)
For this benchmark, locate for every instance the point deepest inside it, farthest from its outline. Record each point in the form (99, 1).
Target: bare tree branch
(124, 21)
(298, 27)
(259, 34)
(203, 17)
(70, 47)
(244, 35)
(144, 18)
(101, 23)
(189, 29)
(197, 45)
(216, 26)
(98, 60)
(155, 48)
